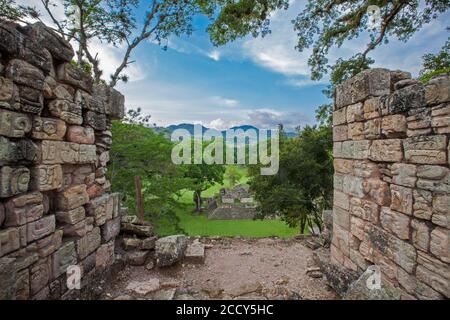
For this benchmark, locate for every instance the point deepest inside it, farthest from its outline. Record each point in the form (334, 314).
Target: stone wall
(392, 180)
(55, 205)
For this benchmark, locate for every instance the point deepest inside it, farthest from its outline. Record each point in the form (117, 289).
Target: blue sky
(262, 81)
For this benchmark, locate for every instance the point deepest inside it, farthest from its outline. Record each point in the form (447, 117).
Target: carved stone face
(49, 127)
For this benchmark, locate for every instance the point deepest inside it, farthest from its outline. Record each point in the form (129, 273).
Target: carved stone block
(63, 258)
(89, 243)
(14, 151)
(401, 199)
(40, 275)
(395, 222)
(104, 256)
(13, 124)
(111, 229)
(82, 135)
(66, 110)
(23, 73)
(13, 180)
(46, 177)
(72, 198)
(49, 244)
(101, 208)
(24, 209)
(72, 216)
(115, 109)
(95, 120)
(389, 150)
(48, 128)
(40, 228)
(426, 149)
(61, 152)
(9, 240)
(67, 73)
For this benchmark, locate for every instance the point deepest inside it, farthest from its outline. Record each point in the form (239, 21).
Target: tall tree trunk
(197, 200)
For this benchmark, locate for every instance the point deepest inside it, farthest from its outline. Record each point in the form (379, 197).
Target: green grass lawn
(199, 225)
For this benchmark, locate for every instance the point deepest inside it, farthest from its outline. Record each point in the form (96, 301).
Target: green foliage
(324, 24)
(303, 186)
(139, 151)
(435, 64)
(233, 174)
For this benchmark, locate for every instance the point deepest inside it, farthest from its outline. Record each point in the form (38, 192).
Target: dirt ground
(233, 269)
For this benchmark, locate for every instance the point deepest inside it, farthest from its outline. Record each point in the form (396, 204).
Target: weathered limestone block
(66, 110)
(46, 177)
(404, 174)
(78, 174)
(353, 186)
(138, 230)
(355, 112)
(111, 229)
(372, 108)
(9, 240)
(115, 109)
(103, 140)
(343, 166)
(440, 120)
(67, 73)
(356, 131)
(434, 273)
(340, 133)
(95, 102)
(357, 227)
(48, 128)
(341, 200)
(341, 239)
(101, 208)
(426, 149)
(8, 275)
(440, 243)
(2, 214)
(40, 275)
(103, 158)
(47, 38)
(63, 258)
(72, 198)
(13, 180)
(420, 235)
(373, 82)
(23, 73)
(95, 120)
(341, 217)
(422, 207)
(355, 149)
(89, 243)
(419, 122)
(40, 228)
(437, 90)
(82, 135)
(433, 178)
(13, 124)
(393, 126)
(364, 209)
(407, 98)
(441, 210)
(389, 150)
(339, 116)
(8, 94)
(49, 244)
(338, 181)
(72, 216)
(402, 253)
(24, 209)
(401, 199)
(14, 151)
(378, 191)
(22, 285)
(104, 255)
(169, 250)
(395, 222)
(78, 229)
(372, 129)
(61, 152)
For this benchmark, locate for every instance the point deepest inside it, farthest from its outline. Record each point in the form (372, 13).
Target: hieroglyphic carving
(13, 124)
(46, 177)
(13, 180)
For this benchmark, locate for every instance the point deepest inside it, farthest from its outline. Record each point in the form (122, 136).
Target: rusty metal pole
(140, 208)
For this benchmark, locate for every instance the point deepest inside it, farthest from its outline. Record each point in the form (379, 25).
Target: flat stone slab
(195, 253)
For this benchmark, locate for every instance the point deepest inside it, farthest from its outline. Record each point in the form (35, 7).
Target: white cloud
(221, 102)
(215, 55)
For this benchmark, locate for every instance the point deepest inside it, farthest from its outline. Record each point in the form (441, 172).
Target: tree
(324, 24)
(111, 21)
(139, 151)
(203, 176)
(434, 64)
(303, 186)
(233, 174)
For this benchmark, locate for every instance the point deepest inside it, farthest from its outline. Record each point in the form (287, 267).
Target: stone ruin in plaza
(56, 209)
(232, 204)
(392, 180)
